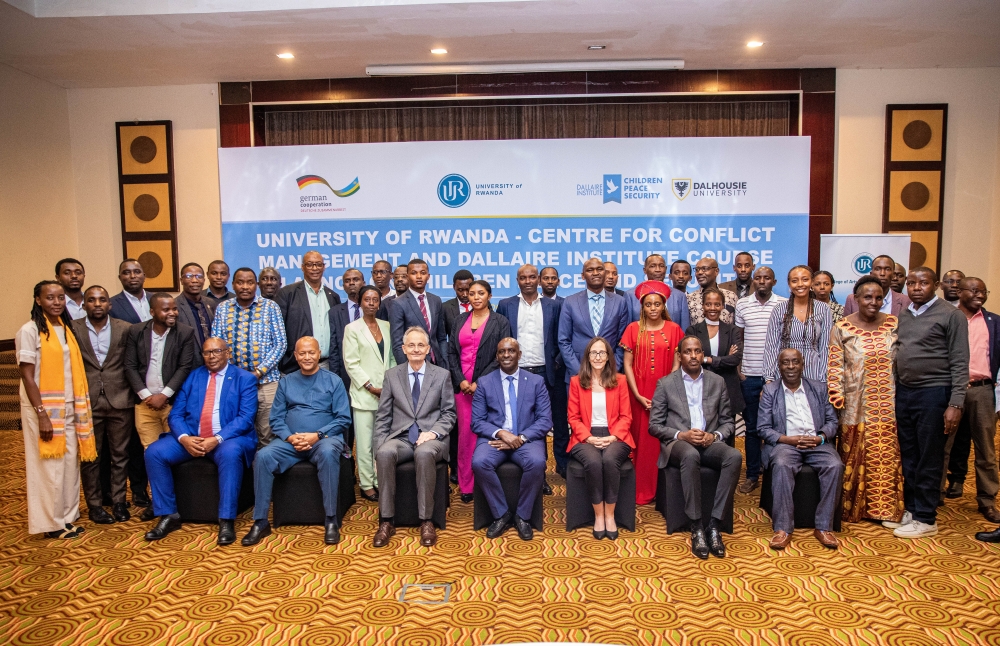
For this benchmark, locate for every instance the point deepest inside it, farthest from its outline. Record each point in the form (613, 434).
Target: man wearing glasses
(192, 309)
(381, 275)
(305, 307)
(706, 272)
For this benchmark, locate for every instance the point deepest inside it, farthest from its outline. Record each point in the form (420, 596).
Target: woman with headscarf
(650, 346)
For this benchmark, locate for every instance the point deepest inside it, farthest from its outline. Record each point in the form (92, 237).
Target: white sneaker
(906, 520)
(916, 529)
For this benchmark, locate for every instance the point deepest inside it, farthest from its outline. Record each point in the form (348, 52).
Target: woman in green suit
(367, 355)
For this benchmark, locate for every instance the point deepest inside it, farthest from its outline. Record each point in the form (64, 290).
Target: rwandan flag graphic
(347, 191)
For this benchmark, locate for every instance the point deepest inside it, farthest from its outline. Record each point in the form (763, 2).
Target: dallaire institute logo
(862, 263)
(681, 187)
(453, 190)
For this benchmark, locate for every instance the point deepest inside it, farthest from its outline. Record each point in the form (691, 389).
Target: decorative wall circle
(146, 207)
(143, 149)
(151, 264)
(915, 196)
(918, 254)
(917, 134)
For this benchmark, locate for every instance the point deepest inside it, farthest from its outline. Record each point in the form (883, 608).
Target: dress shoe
(258, 530)
(955, 490)
(141, 499)
(428, 535)
(386, 530)
(500, 525)
(561, 472)
(990, 513)
(989, 537)
(599, 534)
(166, 525)
(826, 539)
(371, 498)
(227, 533)
(546, 489)
(453, 478)
(467, 497)
(780, 540)
(332, 534)
(611, 534)
(523, 528)
(100, 516)
(715, 544)
(75, 528)
(121, 513)
(698, 545)
(749, 485)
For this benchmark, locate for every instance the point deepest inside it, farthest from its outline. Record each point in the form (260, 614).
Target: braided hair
(786, 323)
(38, 314)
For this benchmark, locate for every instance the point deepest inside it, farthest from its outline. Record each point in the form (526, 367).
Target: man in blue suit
(511, 415)
(534, 323)
(592, 312)
(417, 307)
(132, 303)
(213, 415)
(798, 425)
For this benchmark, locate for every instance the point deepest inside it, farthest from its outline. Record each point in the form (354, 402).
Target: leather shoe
(372, 498)
(780, 540)
(258, 530)
(990, 513)
(100, 516)
(500, 525)
(698, 545)
(955, 490)
(120, 512)
(166, 525)
(523, 528)
(227, 533)
(467, 497)
(826, 539)
(748, 485)
(141, 499)
(147, 514)
(715, 544)
(546, 489)
(989, 537)
(453, 478)
(598, 535)
(332, 534)
(561, 472)
(386, 530)
(428, 536)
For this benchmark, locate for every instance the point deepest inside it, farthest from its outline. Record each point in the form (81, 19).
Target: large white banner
(849, 256)
(490, 206)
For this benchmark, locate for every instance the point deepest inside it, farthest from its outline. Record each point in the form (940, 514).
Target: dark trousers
(530, 457)
(560, 423)
(920, 426)
(135, 467)
(978, 427)
(786, 461)
(751, 387)
(602, 469)
(280, 456)
(690, 458)
(111, 434)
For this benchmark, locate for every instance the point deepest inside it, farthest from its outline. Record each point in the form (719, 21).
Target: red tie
(466, 306)
(205, 428)
(427, 321)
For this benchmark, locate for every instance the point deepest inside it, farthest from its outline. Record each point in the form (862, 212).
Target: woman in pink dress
(650, 346)
(472, 353)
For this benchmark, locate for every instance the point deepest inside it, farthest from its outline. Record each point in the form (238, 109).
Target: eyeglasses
(313, 265)
(217, 352)
(703, 270)
(599, 354)
(380, 272)
(193, 276)
(977, 292)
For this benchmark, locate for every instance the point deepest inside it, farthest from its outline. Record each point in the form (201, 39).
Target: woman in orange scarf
(55, 414)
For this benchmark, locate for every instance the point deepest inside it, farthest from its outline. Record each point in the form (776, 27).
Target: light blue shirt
(410, 372)
(694, 389)
(917, 311)
(220, 378)
(505, 387)
(101, 341)
(595, 304)
(319, 306)
(886, 305)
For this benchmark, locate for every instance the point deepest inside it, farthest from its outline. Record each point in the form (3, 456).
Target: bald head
(706, 271)
(527, 282)
(307, 355)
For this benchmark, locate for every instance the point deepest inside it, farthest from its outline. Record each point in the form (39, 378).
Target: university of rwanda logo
(347, 191)
(681, 187)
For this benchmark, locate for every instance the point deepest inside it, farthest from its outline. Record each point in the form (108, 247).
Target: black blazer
(121, 308)
(294, 304)
(405, 313)
(725, 365)
(451, 310)
(181, 355)
(496, 327)
(107, 378)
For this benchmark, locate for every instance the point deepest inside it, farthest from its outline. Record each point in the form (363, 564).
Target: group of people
(873, 394)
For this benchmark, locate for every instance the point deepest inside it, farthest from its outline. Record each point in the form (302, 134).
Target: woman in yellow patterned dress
(862, 388)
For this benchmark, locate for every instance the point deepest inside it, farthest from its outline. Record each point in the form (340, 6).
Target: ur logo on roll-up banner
(453, 190)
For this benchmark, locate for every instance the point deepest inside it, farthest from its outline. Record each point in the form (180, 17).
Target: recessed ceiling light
(286, 55)
(439, 50)
(596, 46)
(755, 43)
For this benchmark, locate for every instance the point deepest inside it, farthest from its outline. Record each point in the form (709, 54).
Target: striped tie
(596, 313)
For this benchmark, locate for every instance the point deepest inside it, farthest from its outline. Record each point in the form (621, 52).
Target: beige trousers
(53, 483)
(265, 397)
(149, 423)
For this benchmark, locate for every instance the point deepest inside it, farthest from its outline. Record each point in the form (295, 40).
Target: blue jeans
(751, 387)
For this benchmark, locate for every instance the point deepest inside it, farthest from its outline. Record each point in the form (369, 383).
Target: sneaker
(906, 520)
(916, 529)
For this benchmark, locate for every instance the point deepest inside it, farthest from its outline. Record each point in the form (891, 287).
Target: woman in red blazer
(601, 416)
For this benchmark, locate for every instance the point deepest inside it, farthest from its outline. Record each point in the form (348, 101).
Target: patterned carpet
(111, 587)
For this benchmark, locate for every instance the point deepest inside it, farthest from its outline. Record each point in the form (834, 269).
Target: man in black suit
(343, 314)
(454, 307)
(306, 308)
(103, 341)
(132, 303)
(193, 310)
(549, 280)
(419, 308)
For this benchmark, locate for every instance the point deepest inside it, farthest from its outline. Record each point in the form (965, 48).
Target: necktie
(356, 311)
(512, 395)
(466, 307)
(414, 429)
(205, 427)
(596, 313)
(427, 321)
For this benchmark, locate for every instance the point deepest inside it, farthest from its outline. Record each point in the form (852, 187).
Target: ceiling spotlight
(755, 43)
(596, 47)
(439, 50)
(286, 55)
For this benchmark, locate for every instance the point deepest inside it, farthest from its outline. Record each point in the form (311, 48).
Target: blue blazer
(993, 325)
(554, 367)
(238, 407)
(534, 412)
(405, 313)
(575, 330)
(772, 418)
(121, 308)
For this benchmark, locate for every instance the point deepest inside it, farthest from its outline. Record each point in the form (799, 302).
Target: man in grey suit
(798, 425)
(415, 414)
(692, 419)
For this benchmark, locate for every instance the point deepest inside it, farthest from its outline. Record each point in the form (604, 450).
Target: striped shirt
(754, 316)
(255, 335)
(811, 338)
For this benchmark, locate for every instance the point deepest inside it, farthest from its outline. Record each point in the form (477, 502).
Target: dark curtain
(343, 125)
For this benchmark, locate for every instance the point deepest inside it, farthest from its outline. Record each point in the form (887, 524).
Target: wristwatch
(39, 409)
(522, 438)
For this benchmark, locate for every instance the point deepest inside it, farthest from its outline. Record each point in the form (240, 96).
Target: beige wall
(971, 237)
(36, 195)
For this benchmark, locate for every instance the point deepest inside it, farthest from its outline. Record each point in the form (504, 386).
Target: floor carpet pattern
(111, 587)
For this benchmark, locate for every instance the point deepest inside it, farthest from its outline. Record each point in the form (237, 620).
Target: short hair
(681, 262)
(96, 287)
(159, 296)
(712, 290)
(885, 256)
(349, 269)
(192, 264)
(545, 268)
(122, 263)
(246, 269)
(969, 279)
(369, 288)
(416, 261)
(220, 262)
(416, 329)
(690, 336)
(925, 270)
(485, 285)
(68, 261)
(866, 280)
(384, 262)
(462, 274)
(270, 270)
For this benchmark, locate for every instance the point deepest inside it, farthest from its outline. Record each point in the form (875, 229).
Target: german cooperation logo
(453, 190)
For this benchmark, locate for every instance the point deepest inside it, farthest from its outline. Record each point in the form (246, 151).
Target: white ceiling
(191, 42)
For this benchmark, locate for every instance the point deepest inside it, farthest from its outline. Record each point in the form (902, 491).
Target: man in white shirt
(798, 425)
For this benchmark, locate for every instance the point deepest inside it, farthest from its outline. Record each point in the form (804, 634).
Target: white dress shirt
(75, 311)
(140, 305)
(154, 373)
(694, 389)
(599, 408)
(100, 341)
(917, 311)
(427, 306)
(713, 341)
(508, 417)
(798, 414)
(530, 335)
(220, 377)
